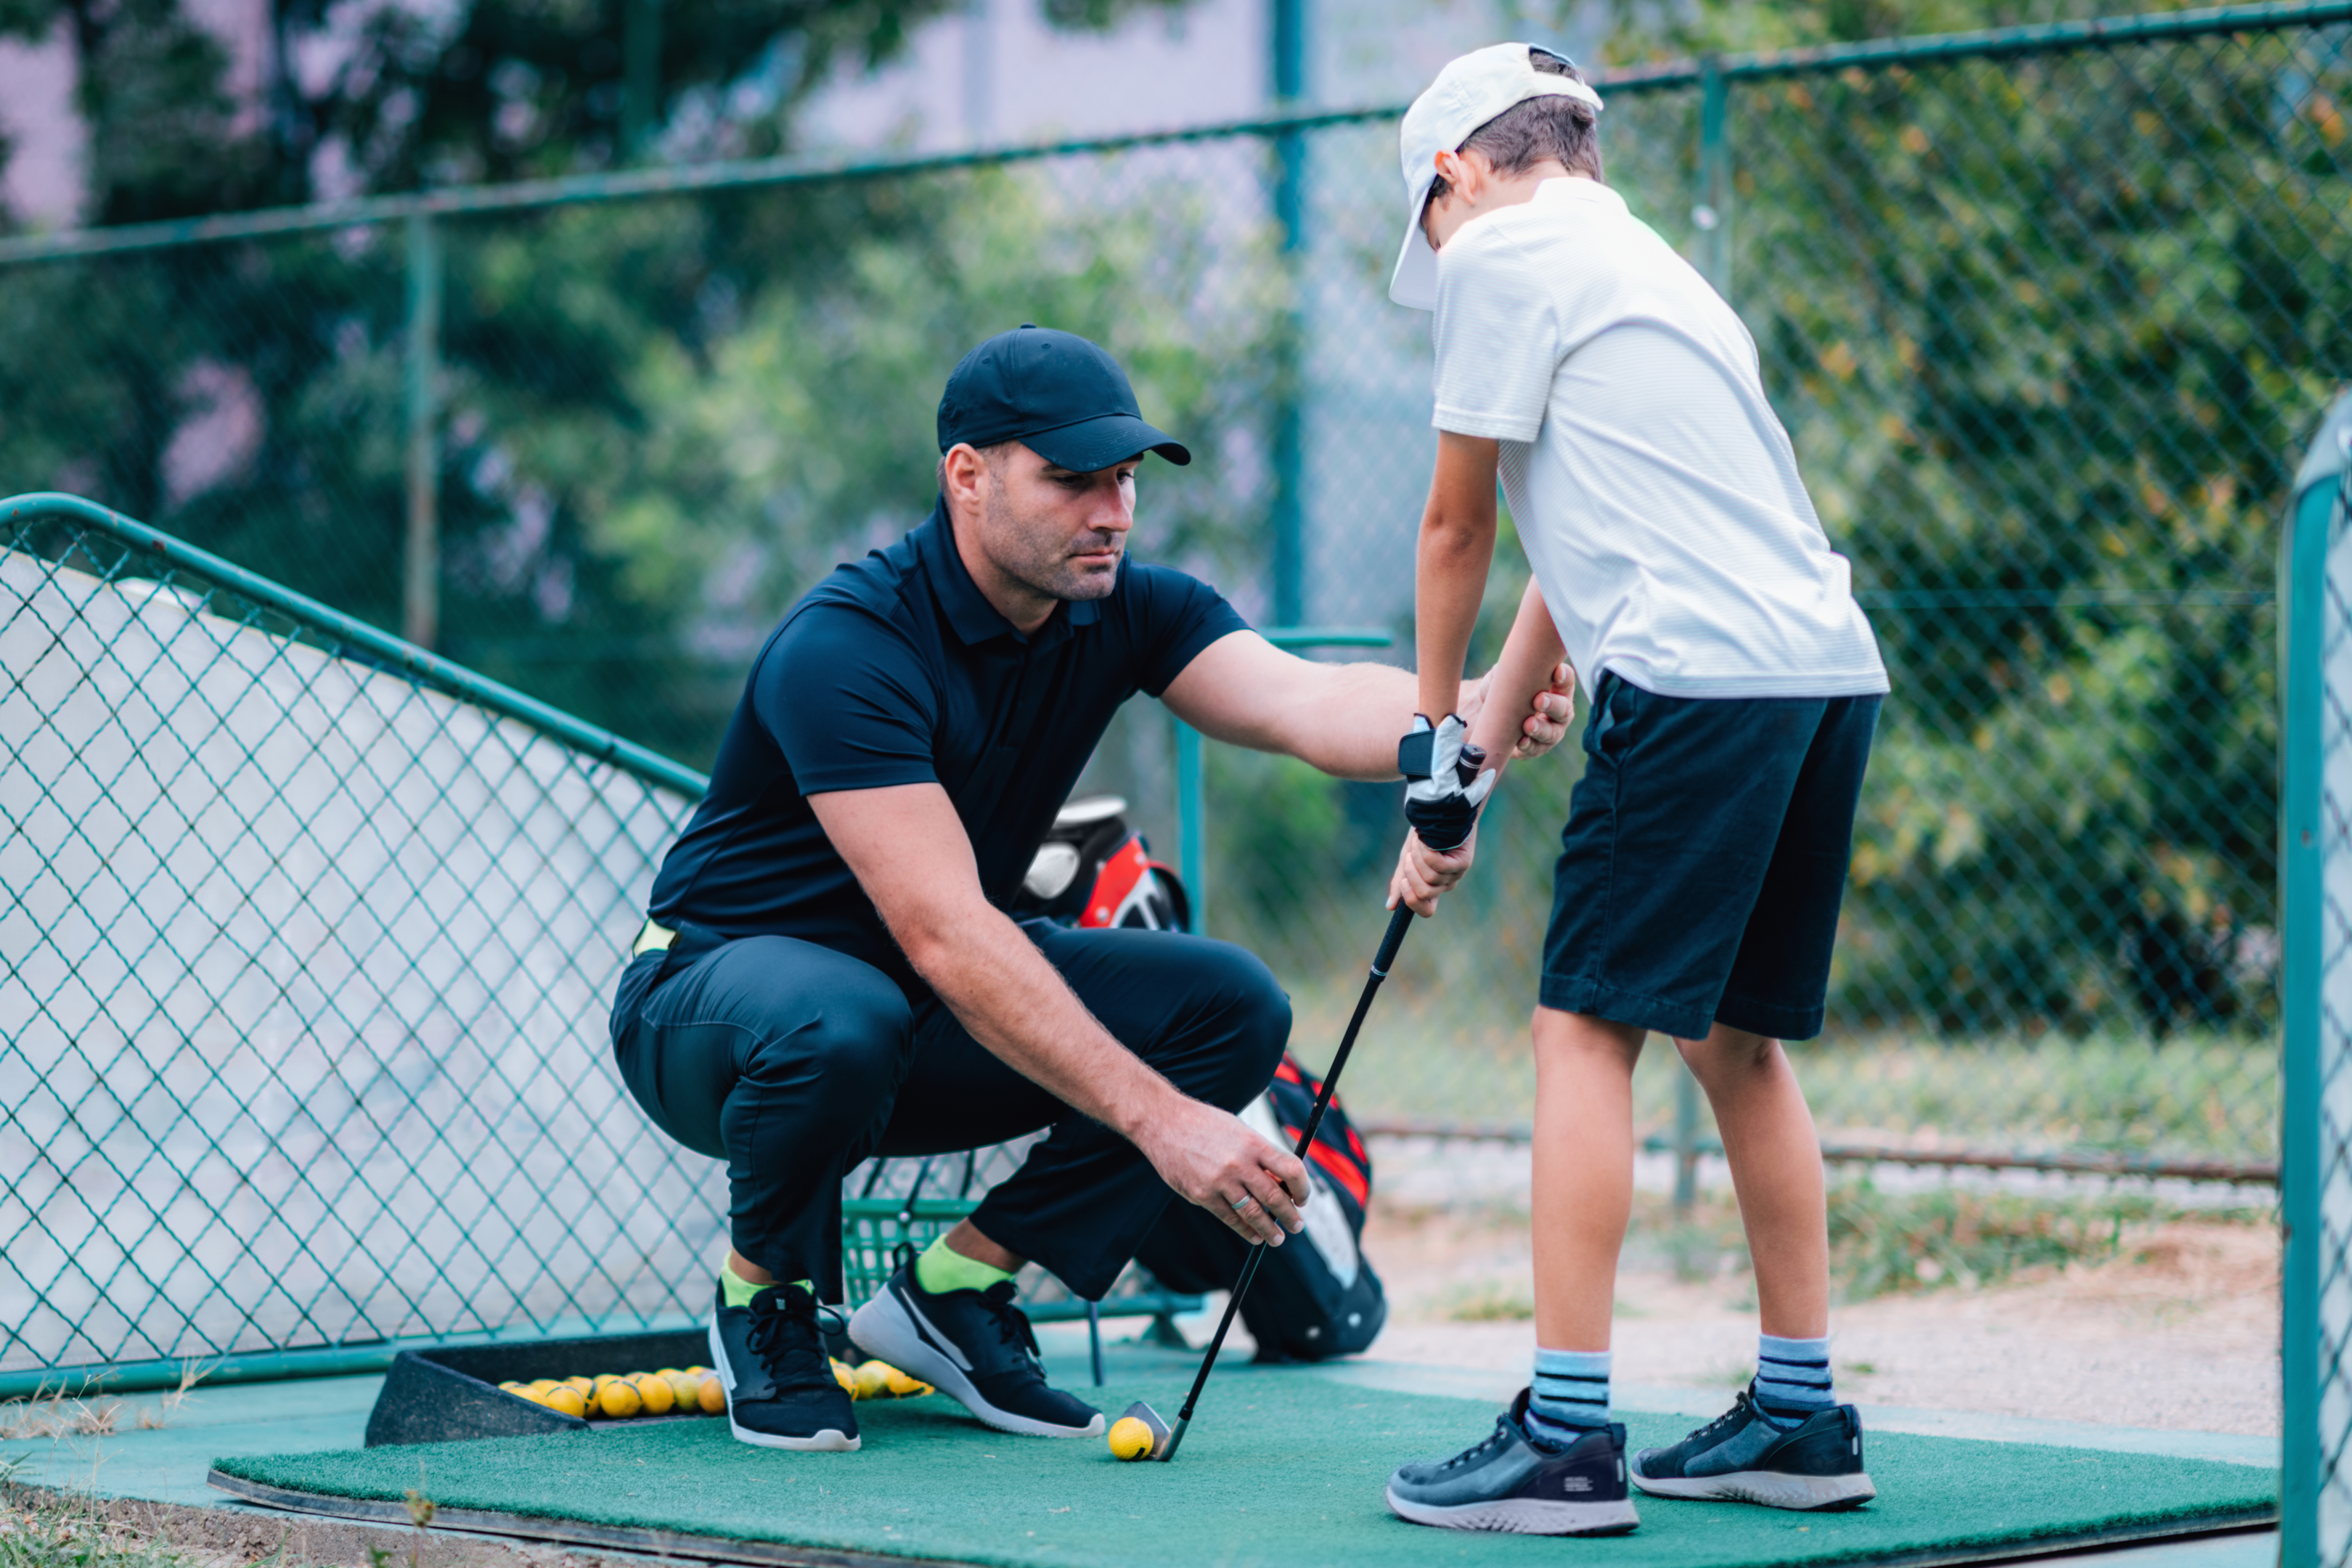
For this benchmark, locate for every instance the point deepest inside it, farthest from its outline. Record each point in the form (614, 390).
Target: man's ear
(962, 472)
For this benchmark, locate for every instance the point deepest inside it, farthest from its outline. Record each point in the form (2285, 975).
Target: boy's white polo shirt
(1654, 490)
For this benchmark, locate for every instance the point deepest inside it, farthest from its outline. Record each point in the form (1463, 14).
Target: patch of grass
(42, 1530)
(1492, 1303)
(1882, 1242)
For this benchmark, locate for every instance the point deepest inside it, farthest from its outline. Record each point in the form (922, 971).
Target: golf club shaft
(1399, 923)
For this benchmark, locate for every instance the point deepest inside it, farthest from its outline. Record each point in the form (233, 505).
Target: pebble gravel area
(2177, 1330)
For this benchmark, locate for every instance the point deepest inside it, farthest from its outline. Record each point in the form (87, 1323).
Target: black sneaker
(975, 1347)
(1522, 1484)
(781, 1391)
(1740, 1457)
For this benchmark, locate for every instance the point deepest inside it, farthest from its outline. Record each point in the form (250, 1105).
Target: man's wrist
(1138, 1103)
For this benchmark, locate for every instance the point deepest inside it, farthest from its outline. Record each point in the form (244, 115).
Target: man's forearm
(1016, 1004)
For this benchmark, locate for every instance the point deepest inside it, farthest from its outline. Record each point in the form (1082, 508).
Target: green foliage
(2045, 393)
(1882, 1242)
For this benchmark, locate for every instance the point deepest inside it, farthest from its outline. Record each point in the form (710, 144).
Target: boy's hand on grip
(1444, 787)
(1422, 875)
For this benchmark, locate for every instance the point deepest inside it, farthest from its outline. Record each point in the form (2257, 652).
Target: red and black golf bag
(1316, 1295)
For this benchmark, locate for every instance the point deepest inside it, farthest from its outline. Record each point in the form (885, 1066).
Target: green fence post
(420, 599)
(1711, 217)
(641, 47)
(1711, 214)
(1288, 47)
(2303, 645)
(1192, 850)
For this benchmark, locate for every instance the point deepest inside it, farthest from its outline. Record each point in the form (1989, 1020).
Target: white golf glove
(1444, 787)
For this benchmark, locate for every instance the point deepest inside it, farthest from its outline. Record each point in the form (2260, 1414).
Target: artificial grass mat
(1281, 1468)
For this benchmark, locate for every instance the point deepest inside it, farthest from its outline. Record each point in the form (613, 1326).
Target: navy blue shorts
(1703, 860)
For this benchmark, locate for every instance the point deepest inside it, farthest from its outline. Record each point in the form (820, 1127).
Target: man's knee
(1256, 1024)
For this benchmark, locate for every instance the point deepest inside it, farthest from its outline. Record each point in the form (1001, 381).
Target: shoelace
(1743, 1403)
(1012, 1323)
(1502, 1435)
(785, 1337)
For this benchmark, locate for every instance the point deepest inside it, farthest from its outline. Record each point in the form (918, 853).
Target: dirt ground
(2179, 1330)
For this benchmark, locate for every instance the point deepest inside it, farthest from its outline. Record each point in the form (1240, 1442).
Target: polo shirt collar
(976, 620)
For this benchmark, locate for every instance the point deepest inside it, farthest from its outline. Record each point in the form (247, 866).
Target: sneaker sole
(883, 1330)
(826, 1441)
(1807, 1494)
(1522, 1516)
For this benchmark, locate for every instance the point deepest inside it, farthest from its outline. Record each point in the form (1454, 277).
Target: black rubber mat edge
(713, 1549)
(569, 1532)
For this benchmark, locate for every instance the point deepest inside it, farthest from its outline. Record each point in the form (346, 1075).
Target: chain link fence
(2043, 310)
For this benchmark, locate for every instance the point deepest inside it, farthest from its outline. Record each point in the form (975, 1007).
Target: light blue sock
(1792, 1379)
(1570, 1395)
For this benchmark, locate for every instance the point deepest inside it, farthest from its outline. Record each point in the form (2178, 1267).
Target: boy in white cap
(1735, 685)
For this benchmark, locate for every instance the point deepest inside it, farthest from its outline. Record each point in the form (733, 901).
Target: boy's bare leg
(1584, 1173)
(1776, 1169)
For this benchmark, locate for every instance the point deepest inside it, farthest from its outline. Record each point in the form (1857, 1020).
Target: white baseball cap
(1467, 93)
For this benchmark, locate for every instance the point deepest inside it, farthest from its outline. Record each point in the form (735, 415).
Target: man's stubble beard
(1038, 557)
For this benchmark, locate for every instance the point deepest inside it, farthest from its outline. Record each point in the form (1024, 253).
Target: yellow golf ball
(902, 1387)
(845, 1375)
(686, 1392)
(657, 1393)
(566, 1399)
(1130, 1439)
(583, 1386)
(713, 1398)
(619, 1400)
(873, 1381)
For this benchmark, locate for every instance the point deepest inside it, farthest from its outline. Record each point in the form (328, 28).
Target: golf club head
(1149, 1418)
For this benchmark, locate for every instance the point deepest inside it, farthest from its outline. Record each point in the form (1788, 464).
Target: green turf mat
(1282, 1468)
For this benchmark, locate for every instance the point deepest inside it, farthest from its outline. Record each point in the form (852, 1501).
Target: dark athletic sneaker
(975, 1347)
(1522, 1484)
(781, 1392)
(1740, 1457)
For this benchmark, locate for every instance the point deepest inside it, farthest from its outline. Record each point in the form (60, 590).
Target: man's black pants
(793, 1062)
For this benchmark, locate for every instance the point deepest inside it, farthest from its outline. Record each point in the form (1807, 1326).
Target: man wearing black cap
(828, 972)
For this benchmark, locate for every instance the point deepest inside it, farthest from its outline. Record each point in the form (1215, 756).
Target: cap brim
(1091, 445)
(1414, 284)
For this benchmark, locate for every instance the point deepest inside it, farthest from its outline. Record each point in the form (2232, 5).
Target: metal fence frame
(2315, 1139)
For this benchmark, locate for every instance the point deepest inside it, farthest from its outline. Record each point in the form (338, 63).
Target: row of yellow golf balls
(617, 1396)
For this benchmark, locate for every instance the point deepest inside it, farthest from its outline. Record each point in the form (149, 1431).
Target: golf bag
(1316, 1295)
(1095, 870)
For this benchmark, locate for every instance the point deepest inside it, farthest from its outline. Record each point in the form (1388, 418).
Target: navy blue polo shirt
(895, 670)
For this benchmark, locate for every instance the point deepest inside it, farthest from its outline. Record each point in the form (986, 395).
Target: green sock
(942, 1267)
(740, 1290)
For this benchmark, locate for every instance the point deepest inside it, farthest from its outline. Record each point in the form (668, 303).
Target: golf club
(1165, 1448)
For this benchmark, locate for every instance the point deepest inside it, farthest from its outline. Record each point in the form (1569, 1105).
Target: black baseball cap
(1057, 395)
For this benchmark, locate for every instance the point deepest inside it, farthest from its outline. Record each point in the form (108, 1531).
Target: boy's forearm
(1457, 544)
(1530, 655)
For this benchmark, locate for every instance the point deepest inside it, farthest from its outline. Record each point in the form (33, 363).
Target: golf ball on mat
(1130, 1438)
